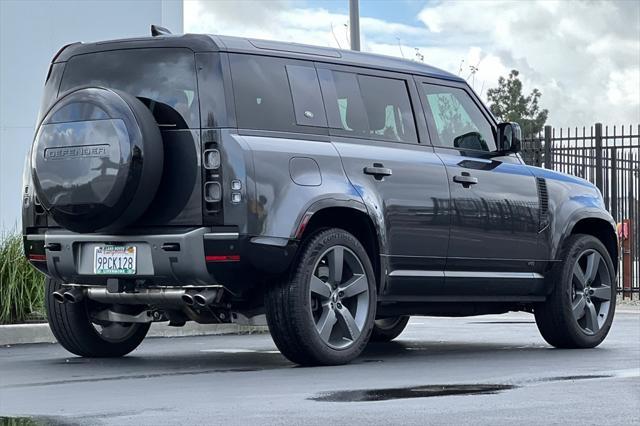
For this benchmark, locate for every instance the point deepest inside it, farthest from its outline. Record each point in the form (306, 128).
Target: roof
(208, 43)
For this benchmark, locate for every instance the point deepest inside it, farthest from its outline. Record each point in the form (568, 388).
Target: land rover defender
(218, 179)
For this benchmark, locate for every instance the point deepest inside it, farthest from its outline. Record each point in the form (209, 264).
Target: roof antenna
(334, 36)
(157, 30)
(400, 46)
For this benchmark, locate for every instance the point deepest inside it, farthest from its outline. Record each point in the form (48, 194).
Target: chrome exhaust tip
(187, 299)
(74, 295)
(205, 297)
(58, 295)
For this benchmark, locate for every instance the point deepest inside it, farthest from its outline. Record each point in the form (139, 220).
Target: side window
(388, 108)
(263, 88)
(368, 107)
(307, 99)
(458, 120)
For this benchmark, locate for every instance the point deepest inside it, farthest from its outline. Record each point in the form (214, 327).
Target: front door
(495, 211)
(373, 127)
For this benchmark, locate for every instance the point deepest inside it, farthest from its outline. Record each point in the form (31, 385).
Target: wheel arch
(603, 231)
(353, 219)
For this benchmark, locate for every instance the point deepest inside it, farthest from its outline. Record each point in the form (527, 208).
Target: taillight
(223, 258)
(212, 192)
(211, 178)
(211, 159)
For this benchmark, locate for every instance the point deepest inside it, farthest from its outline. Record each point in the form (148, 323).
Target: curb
(18, 334)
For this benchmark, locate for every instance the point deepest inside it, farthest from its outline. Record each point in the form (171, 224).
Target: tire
(577, 315)
(387, 329)
(72, 327)
(298, 307)
(97, 160)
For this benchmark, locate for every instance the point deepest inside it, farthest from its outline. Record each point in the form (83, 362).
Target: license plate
(114, 260)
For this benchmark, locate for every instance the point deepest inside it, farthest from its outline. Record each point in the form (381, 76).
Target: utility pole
(354, 24)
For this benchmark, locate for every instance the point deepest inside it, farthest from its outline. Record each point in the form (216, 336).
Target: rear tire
(387, 329)
(72, 327)
(323, 313)
(579, 311)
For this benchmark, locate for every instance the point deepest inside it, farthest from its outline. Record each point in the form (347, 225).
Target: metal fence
(609, 158)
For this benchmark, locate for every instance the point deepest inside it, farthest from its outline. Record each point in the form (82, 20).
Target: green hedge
(21, 285)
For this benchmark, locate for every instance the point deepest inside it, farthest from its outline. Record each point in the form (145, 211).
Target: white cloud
(623, 87)
(584, 57)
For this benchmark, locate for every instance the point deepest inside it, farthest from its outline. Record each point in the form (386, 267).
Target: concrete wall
(31, 32)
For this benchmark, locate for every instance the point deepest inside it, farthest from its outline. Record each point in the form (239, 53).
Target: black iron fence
(609, 158)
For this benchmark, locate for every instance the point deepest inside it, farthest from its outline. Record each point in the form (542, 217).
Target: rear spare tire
(97, 160)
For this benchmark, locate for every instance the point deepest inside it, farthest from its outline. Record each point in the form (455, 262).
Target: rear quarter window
(277, 94)
(164, 79)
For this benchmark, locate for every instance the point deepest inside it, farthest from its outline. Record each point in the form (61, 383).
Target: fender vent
(543, 200)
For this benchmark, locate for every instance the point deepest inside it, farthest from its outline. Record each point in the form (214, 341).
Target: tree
(509, 104)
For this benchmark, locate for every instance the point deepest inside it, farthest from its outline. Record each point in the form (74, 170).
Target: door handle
(377, 170)
(465, 179)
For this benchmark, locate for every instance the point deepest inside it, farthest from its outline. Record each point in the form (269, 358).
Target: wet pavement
(477, 370)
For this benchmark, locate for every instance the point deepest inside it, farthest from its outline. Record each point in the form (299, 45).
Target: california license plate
(114, 260)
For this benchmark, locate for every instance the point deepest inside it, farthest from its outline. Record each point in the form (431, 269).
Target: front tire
(72, 326)
(323, 314)
(579, 311)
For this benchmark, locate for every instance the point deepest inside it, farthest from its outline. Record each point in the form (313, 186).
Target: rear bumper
(200, 256)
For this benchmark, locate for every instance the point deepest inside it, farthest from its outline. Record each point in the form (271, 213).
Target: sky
(583, 56)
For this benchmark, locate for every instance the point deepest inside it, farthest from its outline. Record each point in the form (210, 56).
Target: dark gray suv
(219, 179)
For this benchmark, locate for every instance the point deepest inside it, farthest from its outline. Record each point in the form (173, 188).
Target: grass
(21, 285)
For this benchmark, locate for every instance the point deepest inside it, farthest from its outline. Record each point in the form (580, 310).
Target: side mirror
(509, 137)
(471, 140)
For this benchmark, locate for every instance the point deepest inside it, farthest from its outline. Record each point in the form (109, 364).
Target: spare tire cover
(97, 160)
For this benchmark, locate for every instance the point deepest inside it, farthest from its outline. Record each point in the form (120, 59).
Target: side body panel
(412, 206)
(495, 222)
(571, 199)
(495, 209)
(282, 191)
(494, 248)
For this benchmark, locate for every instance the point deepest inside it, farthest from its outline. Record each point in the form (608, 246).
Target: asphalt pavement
(476, 370)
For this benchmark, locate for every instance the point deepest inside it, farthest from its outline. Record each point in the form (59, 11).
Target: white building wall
(31, 32)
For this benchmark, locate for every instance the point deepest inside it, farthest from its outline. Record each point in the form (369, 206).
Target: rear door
(372, 125)
(493, 248)
(164, 79)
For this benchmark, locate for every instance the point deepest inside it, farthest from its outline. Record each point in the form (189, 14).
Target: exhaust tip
(187, 299)
(205, 298)
(73, 296)
(200, 299)
(58, 297)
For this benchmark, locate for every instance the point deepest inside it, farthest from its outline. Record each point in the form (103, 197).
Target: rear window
(365, 106)
(163, 79)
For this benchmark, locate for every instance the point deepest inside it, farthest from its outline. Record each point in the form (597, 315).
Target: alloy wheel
(339, 292)
(591, 291)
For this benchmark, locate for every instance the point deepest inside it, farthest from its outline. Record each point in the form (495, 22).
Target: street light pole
(354, 24)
